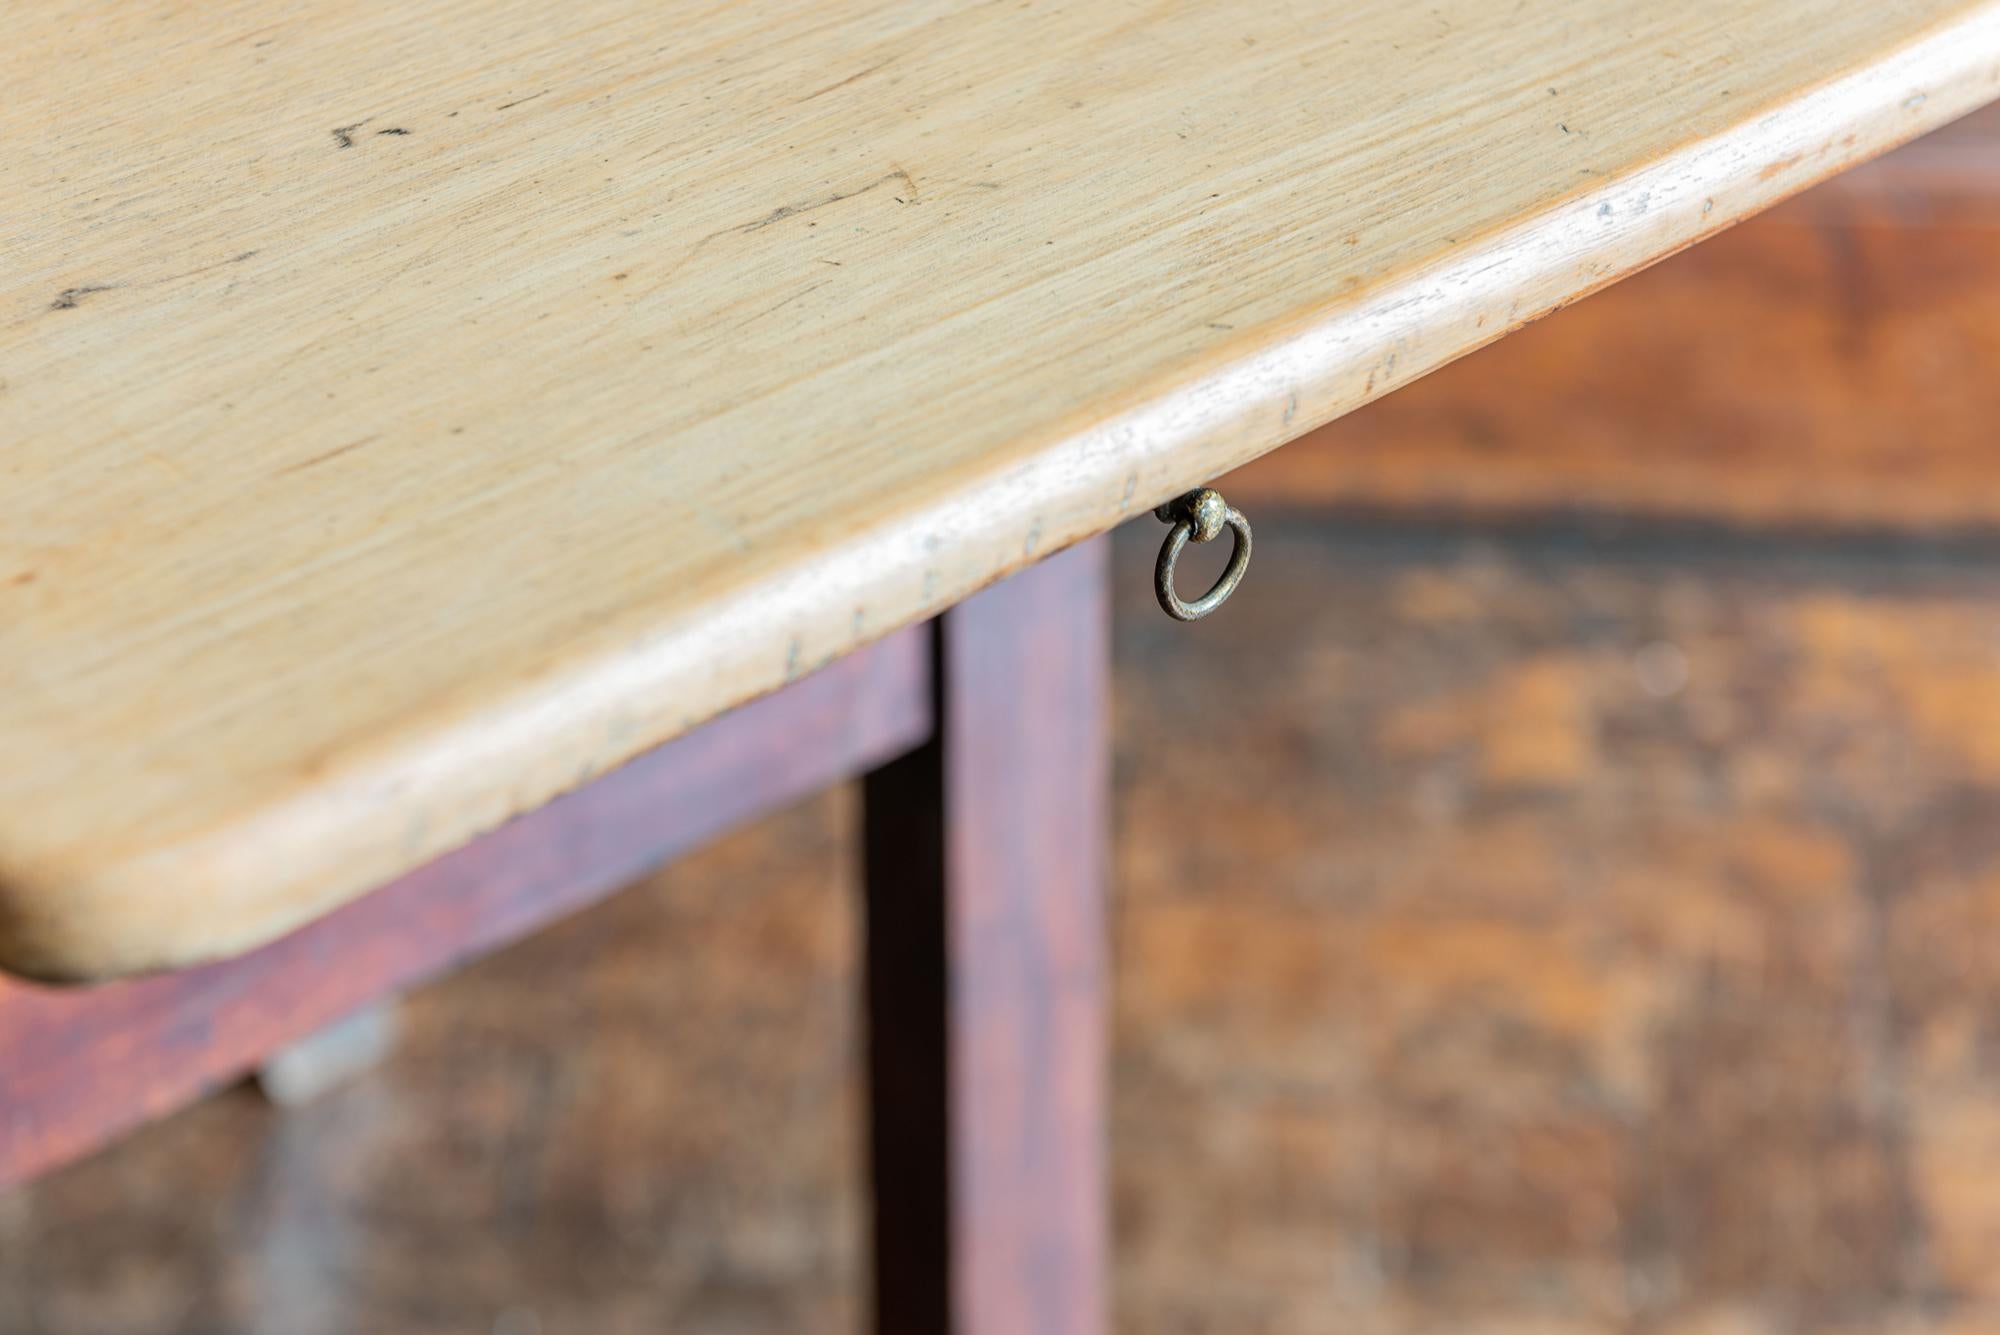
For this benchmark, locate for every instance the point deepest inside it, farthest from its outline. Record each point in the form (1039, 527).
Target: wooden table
(476, 450)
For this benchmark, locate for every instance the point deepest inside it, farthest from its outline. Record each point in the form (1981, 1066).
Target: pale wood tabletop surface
(409, 411)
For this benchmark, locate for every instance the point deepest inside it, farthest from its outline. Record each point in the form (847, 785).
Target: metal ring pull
(1200, 515)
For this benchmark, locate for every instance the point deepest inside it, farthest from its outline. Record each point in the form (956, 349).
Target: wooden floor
(1531, 930)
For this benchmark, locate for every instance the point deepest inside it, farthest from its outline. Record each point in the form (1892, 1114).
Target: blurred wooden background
(1561, 894)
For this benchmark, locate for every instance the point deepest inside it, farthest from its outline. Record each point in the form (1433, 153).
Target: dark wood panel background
(1524, 924)
(1830, 364)
(1539, 931)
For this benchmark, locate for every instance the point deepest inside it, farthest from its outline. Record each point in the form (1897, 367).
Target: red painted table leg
(986, 870)
(81, 1065)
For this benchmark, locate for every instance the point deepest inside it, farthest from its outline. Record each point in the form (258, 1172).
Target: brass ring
(1200, 515)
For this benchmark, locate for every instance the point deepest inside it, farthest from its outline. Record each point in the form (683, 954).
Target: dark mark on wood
(844, 82)
(519, 100)
(781, 213)
(343, 135)
(394, 129)
(67, 298)
(1782, 165)
(785, 211)
(810, 287)
(333, 453)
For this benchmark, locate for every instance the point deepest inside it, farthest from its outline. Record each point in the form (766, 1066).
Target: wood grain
(411, 411)
(1827, 365)
(80, 1066)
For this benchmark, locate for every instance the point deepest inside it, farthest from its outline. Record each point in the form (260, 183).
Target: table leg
(986, 866)
(79, 1066)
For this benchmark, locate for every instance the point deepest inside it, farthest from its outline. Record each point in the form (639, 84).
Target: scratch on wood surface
(779, 214)
(250, 36)
(785, 211)
(769, 310)
(852, 78)
(67, 299)
(333, 453)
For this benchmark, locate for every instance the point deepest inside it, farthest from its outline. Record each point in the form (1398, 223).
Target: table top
(409, 411)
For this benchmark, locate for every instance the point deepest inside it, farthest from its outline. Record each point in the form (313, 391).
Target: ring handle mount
(1200, 515)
